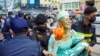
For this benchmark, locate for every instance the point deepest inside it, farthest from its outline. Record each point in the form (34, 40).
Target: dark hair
(90, 2)
(90, 10)
(40, 19)
(26, 16)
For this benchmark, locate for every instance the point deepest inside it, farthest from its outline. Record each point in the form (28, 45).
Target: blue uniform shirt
(19, 46)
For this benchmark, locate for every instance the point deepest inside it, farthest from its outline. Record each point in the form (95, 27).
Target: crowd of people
(53, 35)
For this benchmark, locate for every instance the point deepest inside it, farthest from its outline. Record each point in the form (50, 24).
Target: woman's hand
(89, 49)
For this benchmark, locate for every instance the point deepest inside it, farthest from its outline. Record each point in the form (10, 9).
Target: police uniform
(87, 31)
(20, 44)
(6, 27)
(40, 32)
(41, 37)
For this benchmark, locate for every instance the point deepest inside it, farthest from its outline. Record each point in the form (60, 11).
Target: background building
(76, 4)
(6, 5)
(42, 4)
(38, 6)
(50, 3)
(97, 4)
(70, 4)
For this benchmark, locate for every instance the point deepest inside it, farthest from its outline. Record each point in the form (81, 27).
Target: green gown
(64, 48)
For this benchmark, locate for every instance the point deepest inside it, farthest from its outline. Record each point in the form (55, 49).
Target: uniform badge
(48, 33)
(39, 36)
(30, 33)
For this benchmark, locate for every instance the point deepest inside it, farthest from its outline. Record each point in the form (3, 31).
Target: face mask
(13, 16)
(41, 28)
(92, 19)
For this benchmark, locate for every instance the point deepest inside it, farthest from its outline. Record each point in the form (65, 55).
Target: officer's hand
(30, 29)
(46, 53)
(11, 32)
(89, 49)
(1, 36)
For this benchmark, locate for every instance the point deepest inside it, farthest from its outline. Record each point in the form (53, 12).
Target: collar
(20, 37)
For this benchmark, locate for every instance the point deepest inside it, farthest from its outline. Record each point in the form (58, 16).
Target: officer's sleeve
(93, 39)
(8, 23)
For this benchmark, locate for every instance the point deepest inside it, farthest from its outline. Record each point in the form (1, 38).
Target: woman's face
(66, 22)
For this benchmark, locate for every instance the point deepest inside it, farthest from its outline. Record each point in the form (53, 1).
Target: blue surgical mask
(13, 16)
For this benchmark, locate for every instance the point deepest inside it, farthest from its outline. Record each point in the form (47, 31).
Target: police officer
(6, 28)
(20, 15)
(87, 4)
(85, 26)
(41, 32)
(29, 19)
(20, 44)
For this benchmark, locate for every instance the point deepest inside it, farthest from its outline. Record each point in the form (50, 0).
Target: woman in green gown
(65, 41)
